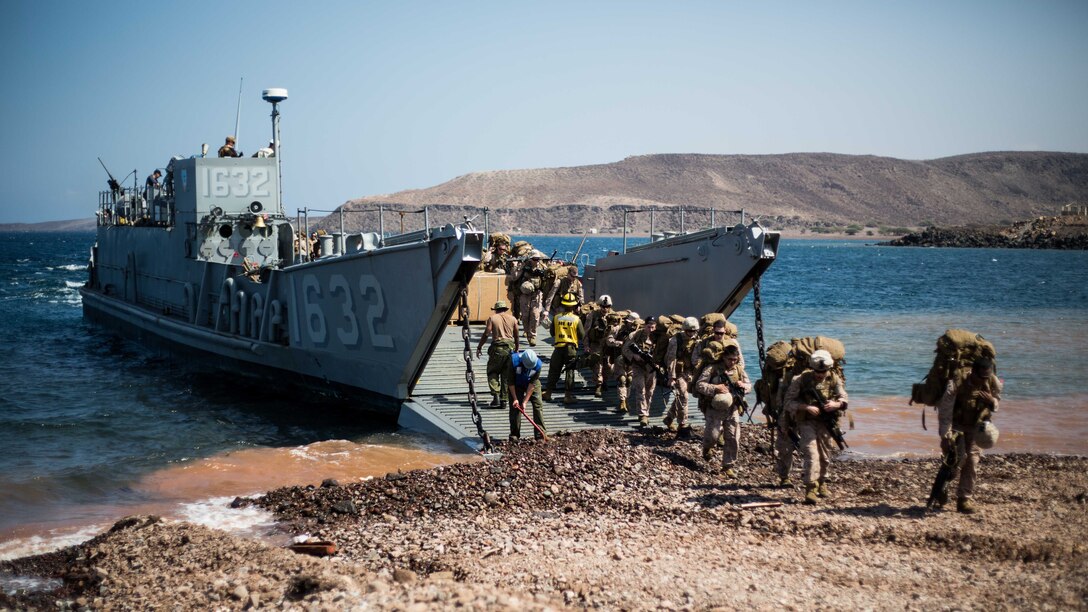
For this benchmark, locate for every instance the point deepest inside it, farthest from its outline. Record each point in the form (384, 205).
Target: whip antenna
(238, 113)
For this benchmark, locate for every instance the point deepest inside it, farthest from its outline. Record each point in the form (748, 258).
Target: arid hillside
(798, 189)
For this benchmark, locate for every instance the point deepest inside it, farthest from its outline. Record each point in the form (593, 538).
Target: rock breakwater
(1070, 233)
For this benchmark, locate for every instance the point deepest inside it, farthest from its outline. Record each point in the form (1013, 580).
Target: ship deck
(439, 404)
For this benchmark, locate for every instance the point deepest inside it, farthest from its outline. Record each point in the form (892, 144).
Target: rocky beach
(611, 520)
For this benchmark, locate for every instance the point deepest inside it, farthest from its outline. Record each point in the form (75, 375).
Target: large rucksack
(667, 327)
(956, 350)
(801, 350)
(707, 321)
(521, 248)
(775, 362)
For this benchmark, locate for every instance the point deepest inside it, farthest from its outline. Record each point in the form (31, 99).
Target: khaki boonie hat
(500, 305)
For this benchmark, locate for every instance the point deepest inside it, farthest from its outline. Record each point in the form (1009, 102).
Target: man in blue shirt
(522, 376)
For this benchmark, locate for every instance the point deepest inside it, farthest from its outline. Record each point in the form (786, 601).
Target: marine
(597, 331)
(529, 283)
(568, 335)
(725, 383)
(497, 256)
(502, 328)
(643, 370)
(613, 345)
(963, 415)
(570, 283)
(801, 400)
(679, 367)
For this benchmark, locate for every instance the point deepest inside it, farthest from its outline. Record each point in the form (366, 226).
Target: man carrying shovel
(522, 377)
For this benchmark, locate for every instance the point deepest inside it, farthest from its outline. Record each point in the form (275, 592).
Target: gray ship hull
(214, 277)
(691, 274)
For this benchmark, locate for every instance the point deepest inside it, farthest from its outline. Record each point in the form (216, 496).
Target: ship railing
(128, 206)
(683, 211)
(307, 248)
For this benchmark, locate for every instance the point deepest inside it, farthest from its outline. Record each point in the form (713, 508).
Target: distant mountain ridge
(794, 189)
(803, 187)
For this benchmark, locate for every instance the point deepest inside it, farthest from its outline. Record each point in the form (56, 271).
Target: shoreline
(608, 519)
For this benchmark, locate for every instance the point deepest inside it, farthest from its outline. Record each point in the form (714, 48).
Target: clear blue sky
(388, 96)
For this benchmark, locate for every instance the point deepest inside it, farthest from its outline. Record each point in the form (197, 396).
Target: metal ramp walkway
(439, 404)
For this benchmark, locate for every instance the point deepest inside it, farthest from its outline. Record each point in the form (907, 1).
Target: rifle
(738, 396)
(950, 458)
(115, 187)
(647, 359)
(831, 419)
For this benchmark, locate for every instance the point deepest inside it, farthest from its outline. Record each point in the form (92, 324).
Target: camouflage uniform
(817, 445)
(679, 368)
(717, 419)
(562, 287)
(530, 304)
(960, 408)
(783, 444)
(597, 332)
(643, 375)
(497, 258)
(227, 150)
(621, 371)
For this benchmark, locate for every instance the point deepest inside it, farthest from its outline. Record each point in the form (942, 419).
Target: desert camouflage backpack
(707, 321)
(521, 248)
(667, 327)
(777, 359)
(956, 351)
(801, 349)
(497, 238)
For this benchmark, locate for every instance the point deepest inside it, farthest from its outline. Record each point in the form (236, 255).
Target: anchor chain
(470, 377)
(757, 304)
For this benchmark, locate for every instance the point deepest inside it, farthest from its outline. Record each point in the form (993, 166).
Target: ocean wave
(73, 267)
(73, 284)
(216, 513)
(54, 539)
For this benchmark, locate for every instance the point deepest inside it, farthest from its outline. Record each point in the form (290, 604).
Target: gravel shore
(611, 520)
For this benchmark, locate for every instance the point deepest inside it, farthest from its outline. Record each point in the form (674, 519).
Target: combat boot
(811, 493)
(494, 401)
(546, 395)
(568, 398)
(823, 491)
(684, 431)
(643, 421)
(785, 483)
(964, 506)
(623, 406)
(730, 473)
(599, 391)
(706, 455)
(668, 421)
(532, 341)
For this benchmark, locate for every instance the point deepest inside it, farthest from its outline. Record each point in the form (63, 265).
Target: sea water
(93, 427)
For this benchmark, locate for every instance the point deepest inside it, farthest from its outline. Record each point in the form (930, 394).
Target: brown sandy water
(888, 426)
(200, 490)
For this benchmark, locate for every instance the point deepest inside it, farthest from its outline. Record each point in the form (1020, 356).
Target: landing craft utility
(209, 261)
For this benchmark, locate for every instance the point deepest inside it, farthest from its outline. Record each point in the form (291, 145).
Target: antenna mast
(238, 113)
(275, 96)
